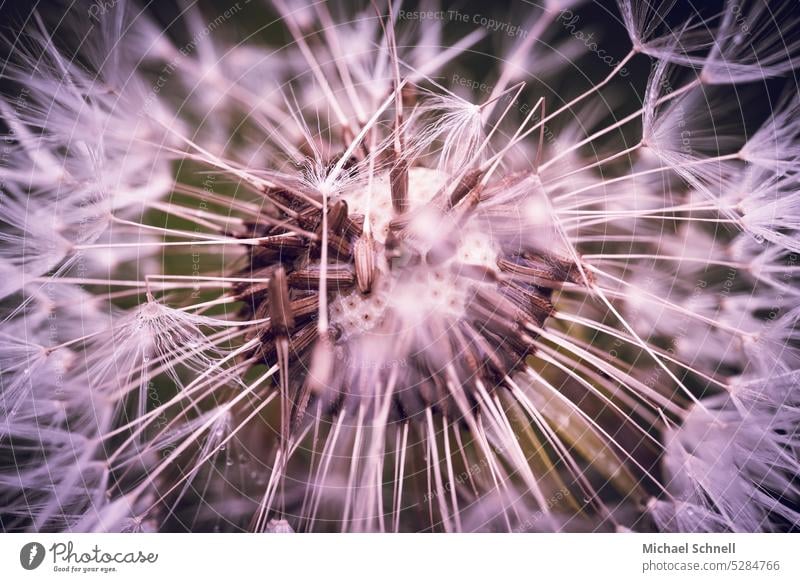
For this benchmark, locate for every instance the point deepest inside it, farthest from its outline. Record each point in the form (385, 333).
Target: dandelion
(319, 287)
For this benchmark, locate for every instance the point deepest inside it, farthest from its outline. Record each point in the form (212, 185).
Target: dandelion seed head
(340, 286)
